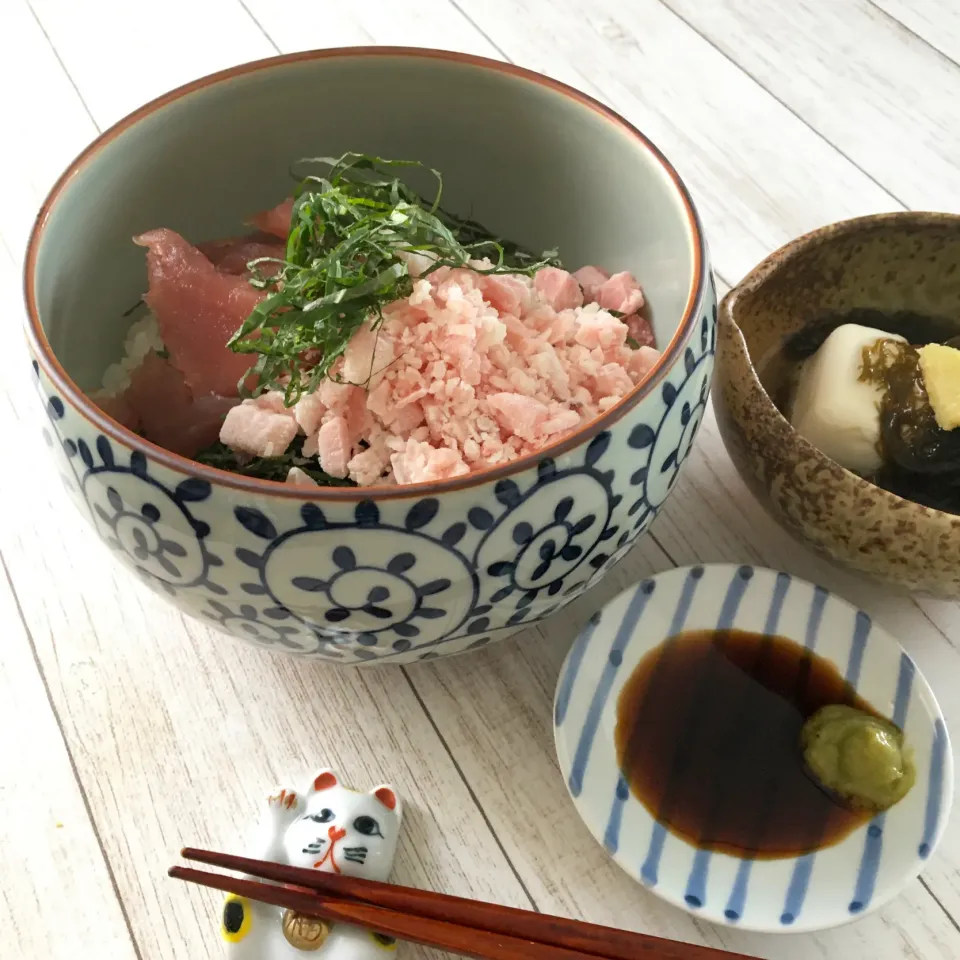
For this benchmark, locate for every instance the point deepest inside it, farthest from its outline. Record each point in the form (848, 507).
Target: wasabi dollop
(860, 758)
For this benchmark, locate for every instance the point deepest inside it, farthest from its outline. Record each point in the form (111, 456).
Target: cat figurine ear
(389, 798)
(326, 827)
(325, 779)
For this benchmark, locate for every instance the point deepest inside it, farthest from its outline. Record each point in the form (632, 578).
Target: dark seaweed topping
(918, 328)
(269, 468)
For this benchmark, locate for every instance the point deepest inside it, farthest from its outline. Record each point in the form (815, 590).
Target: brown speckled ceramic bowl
(896, 261)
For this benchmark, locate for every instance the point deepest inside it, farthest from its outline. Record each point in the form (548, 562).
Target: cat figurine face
(327, 827)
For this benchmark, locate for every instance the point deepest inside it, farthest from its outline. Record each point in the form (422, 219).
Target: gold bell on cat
(303, 932)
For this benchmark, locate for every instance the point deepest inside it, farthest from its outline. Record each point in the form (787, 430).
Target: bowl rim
(778, 258)
(773, 264)
(40, 345)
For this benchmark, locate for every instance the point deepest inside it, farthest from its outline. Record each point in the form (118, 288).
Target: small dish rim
(877, 902)
(251, 485)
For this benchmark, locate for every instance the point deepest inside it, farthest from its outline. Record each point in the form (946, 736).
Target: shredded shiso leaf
(341, 267)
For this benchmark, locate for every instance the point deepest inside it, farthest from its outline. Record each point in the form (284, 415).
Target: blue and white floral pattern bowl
(391, 573)
(822, 889)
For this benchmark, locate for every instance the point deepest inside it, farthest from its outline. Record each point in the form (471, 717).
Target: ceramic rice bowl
(388, 573)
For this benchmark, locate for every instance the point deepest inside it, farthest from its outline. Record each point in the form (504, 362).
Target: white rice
(142, 337)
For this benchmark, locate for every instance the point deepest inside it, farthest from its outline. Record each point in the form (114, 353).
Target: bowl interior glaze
(535, 164)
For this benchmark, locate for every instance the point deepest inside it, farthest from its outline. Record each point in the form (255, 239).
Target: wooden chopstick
(465, 941)
(522, 925)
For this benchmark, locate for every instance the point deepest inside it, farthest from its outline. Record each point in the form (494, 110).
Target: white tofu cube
(832, 409)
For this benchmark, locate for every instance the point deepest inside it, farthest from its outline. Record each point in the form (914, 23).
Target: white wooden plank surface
(936, 21)
(855, 75)
(432, 23)
(35, 150)
(57, 888)
(121, 54)
(174, 731)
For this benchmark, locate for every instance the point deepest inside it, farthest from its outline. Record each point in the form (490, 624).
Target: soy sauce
(708, 729)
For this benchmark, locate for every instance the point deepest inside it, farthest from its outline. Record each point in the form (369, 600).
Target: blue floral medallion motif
(150, 525)
(382, 590)
(397, 580)
(246, 622)
(137, 516)
(543, 536)
(669, 443)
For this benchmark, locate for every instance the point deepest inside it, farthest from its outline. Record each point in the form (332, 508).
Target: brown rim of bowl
(172, 461)
(775, 262)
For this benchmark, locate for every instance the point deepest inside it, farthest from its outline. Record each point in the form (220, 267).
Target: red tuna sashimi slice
(207, 416)
(233, 255)
(168, 413)
(119, 408)
(275, 221)
(198, 309)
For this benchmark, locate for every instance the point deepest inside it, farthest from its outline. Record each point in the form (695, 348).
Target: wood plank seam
(260, 27)
(913, 33)
(470, 790)
(799, 116)
(70, 758)
(63, 66)
(466, 16)
(937, 901)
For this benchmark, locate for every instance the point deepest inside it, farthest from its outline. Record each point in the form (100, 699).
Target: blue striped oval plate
(811, 892)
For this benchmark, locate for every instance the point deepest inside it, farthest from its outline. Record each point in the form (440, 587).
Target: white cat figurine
(327, 827)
